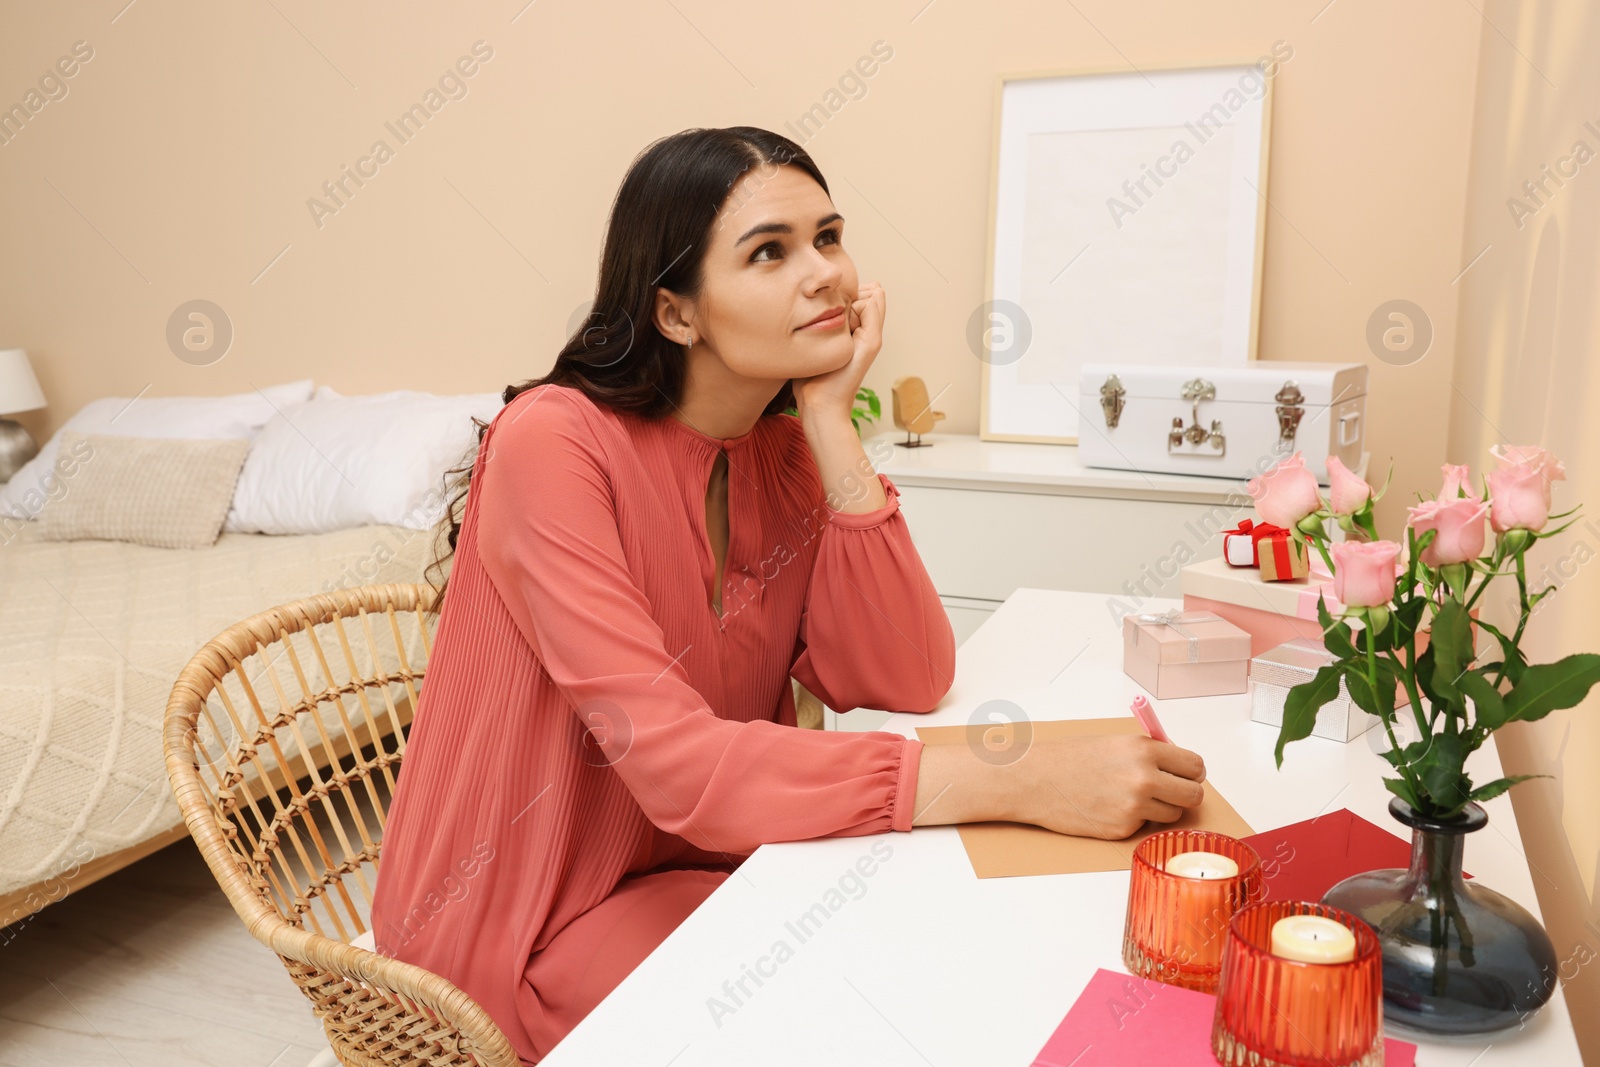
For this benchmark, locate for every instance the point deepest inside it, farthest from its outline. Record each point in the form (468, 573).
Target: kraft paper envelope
(1007, 849)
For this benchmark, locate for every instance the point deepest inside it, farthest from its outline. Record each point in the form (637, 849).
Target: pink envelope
(1122, 1021)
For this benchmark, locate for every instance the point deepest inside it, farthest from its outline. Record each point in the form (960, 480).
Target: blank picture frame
(1126, 224)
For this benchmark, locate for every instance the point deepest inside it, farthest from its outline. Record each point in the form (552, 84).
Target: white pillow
(191, 417)
(342, 461)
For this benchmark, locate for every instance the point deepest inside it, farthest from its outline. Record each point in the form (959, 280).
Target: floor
(150, 966)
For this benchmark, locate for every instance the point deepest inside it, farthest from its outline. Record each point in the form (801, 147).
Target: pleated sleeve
(547, 535)
(874, 633)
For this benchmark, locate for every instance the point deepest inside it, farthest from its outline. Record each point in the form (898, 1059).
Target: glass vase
(1458, 958)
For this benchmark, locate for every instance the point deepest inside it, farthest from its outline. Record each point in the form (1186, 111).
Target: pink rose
(1456, 476)
(1511, 455)
(1346, 492)
(1457, 523)
(1287, 493)
(1363, 572)
(1519, 497)
(1519, 491)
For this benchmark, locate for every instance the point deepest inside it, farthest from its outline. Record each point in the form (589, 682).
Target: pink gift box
(1270, 612)
(1267, 629)
(1185, 654)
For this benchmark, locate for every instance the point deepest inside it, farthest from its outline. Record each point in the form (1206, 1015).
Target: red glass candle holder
(1277, 1012)
(1176, 927)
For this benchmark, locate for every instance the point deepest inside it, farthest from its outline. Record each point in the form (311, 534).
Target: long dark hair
(657, 236)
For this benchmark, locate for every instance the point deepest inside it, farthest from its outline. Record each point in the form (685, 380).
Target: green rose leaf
(1388, 684)
(1440, 770)
(1355, 680)
(1402, 789)
(1488, 705)
(1410, 613)
(1379, 701)
(1335, 632)
(1547, 687)
(1415, 571)
(1500, 785)
(1516, 664)
(1424, 673)
(1384, 637)
(1408, 754)
(1451, 643)
(1300, 707)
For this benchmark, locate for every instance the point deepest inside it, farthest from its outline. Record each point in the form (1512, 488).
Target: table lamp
(19, 391)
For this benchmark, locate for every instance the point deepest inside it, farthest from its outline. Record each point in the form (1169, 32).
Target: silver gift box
(1276, 671)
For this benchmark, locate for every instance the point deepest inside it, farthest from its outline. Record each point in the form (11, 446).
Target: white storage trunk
(1231, 421)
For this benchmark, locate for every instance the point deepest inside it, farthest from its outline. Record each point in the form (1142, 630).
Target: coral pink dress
(595, 749)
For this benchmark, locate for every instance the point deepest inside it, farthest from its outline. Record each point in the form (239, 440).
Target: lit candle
(1202, 865)
(1312, 939)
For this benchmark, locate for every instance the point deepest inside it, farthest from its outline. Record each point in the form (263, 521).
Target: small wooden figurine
(911, 412)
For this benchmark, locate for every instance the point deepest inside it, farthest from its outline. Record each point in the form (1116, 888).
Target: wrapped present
(1241, 545)
(1185, 654)
(1271, 612)
(1283, 558)
(1278, 670)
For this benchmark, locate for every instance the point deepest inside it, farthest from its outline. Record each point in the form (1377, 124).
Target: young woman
(649, 550)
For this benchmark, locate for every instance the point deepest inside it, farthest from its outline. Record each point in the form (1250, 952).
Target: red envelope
(1119, 1020)
(1304, 860)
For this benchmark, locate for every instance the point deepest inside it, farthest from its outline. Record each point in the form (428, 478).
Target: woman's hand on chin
(833, 393)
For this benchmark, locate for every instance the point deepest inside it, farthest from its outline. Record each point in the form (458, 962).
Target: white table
(925, 964)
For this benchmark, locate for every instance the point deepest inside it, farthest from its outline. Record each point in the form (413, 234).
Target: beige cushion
(158, 491)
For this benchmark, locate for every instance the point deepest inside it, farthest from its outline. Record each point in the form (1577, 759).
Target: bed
(92, 636)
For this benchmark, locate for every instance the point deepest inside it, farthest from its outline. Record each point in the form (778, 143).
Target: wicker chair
(273, 727)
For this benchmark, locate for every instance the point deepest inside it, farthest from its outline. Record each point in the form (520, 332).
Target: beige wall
(180, 163)
(1526, 374)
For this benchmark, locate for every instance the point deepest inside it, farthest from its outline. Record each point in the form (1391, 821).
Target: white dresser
(990, 517)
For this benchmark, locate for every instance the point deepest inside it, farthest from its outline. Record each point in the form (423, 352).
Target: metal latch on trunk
(1111, 394)
(1289, 409)
(1194, 434)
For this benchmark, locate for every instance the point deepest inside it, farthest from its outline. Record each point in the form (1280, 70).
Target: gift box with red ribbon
(1241, 545)
(1283, 558)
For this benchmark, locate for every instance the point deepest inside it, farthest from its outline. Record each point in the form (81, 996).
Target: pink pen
(1147, 719)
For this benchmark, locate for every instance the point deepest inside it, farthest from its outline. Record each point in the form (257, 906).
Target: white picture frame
(1110, 243)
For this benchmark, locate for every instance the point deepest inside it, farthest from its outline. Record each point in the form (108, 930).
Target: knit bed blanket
(93, 635)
